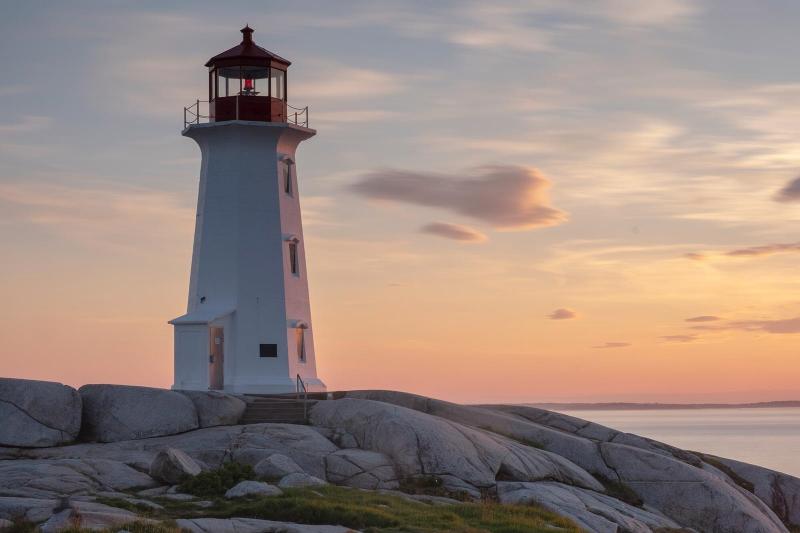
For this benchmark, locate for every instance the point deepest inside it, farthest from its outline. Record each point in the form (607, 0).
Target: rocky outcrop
(53, 478)
(602, 479)
(300, 479)
(38, 413)
(216, 408)
(779, 491)
(672, 481)
(251, 525)
(252, 488)
(361, 469)
(173, 466)
(114, 413)
(305, 446)
(593, 511)
(418, 444)
(680, 490)
(276, 466)
(88, 516)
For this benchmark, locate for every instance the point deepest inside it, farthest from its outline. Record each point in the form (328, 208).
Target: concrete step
(275, 410)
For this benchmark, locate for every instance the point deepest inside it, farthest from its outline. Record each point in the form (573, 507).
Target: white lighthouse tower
(248, 324)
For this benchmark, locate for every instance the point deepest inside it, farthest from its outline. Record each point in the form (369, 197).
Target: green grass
(23, 526)
(20, 525)
(382, 513)
(135, 527)
(620, 491)
(728, 471)
(431, 486)
(368, 511)
(216, 482)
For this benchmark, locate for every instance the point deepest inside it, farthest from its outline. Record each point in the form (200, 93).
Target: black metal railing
(301, 387)
(193, 114)
(297, 115)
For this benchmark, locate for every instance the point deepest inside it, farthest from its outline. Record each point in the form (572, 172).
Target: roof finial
(247, 33)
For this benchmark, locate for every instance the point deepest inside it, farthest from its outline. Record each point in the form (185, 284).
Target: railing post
(184, 117)
(198, 111)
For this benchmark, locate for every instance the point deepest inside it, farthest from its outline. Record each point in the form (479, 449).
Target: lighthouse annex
(248, 326)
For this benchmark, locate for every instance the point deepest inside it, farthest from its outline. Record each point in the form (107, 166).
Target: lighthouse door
(216, 359)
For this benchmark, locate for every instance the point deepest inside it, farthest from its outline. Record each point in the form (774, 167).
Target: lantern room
(247, 82)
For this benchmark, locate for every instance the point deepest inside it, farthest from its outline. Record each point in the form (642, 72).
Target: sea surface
(767, 437)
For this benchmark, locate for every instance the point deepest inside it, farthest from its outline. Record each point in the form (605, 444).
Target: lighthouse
(248, 325)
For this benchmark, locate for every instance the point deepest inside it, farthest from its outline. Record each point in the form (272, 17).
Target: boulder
(114, 413)
(304, 445)
(300, 480)
(781, 492)
(216, 408)
(276, 466)
(52, 478)
(173, 466)
(30, 509)
(252, 525)
(88, 516)
(420, 444)
(694, 497)
(577, 449)
(590, 510)
(38, 413)
(361, 469)
(252, 488)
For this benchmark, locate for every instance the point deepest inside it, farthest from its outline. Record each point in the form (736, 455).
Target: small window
(300, 334)
(287, 177)
(268, 350)
(293, 263)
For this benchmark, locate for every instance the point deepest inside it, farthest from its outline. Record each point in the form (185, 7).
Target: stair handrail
(301, 385)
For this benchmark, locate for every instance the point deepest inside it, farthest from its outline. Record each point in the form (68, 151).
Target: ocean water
(767, 437)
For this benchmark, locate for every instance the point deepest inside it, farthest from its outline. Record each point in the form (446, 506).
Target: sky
(551, 200)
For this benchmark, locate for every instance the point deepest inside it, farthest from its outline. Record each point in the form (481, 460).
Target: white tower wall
(241, 277)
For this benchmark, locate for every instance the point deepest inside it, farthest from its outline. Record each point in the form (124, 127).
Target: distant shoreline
(624, 406)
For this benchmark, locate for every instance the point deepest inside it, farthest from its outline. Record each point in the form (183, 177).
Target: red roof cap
(247, 53)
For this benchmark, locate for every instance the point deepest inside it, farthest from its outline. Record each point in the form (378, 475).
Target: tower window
(293, 263)
(287, 177)
(300, 334)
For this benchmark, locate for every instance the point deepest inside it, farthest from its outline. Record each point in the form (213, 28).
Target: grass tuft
(728, 471)
(213, 483)
(620, 491)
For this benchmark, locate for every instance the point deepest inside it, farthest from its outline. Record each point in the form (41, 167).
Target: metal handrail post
(298, 384)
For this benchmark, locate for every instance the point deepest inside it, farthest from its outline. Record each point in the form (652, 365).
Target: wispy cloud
(118, 218)
(562, 314)
(703, 318)
(749, 251)
(790, 192)
(779, 326)
(608, 345)
(679, 338)
(507, 197)
(767, 249)
(455, 232)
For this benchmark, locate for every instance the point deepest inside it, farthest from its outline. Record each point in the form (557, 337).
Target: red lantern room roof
(247, 53)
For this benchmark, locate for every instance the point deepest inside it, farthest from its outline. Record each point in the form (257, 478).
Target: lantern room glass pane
(277, 83)
(244, 81)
